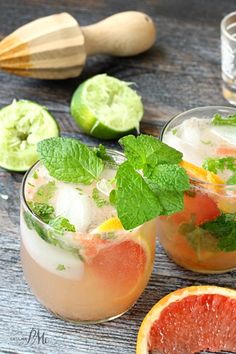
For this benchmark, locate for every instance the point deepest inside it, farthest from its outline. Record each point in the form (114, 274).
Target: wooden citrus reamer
(56, 47)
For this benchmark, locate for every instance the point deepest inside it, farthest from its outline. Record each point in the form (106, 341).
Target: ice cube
(73, 205)
(190, 153)
(226, 133)
(104, 186)
(191, 131)
(49, 257)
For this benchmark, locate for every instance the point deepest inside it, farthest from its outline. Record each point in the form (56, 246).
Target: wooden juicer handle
(123, 34)
(55, 47)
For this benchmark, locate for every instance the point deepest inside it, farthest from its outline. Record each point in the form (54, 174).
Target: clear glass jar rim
(223, 26)
(194, 110)
(22, 189)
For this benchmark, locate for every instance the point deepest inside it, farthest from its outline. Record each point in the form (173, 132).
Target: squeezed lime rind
(22, 125)
(106, 108)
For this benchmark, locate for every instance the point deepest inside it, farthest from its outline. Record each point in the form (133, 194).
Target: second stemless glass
(181, 234)
(101, 285)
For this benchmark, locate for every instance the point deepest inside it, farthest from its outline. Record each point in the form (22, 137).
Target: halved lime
(106, 107)
(22, 125)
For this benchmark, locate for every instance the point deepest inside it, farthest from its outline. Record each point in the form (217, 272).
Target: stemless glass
(101, 285)
(181, 234)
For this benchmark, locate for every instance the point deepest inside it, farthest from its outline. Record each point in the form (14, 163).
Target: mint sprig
(215, 164)
(223, 229)
(228, 120)
(150, 183)
(69, 160)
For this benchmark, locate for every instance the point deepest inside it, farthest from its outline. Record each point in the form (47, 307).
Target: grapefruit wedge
(201, 206)
(190, 320)
(121, 264)
(226, 151)
(122, 259)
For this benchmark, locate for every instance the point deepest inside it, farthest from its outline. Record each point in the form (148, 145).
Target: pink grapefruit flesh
(195, 323)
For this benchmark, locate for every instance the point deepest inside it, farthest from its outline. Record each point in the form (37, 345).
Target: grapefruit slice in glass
(190, 320)
(123, 259)
(123, 262)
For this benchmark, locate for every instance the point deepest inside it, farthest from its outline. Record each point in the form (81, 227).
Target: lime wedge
(106, 108)
(22, 125)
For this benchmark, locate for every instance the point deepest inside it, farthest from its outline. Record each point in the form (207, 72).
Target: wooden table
(181, 71)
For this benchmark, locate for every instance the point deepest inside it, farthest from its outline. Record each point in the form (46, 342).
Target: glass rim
(223, 26)
(22, 188)
(189, 111)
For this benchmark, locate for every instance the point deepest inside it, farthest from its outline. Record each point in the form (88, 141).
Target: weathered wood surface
(180, 72)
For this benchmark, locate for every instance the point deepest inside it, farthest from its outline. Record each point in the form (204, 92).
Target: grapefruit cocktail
(88, 222)
(82, 264)
(202, 237)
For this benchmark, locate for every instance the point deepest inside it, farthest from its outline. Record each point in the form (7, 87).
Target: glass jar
(96, 280)
(203, 249)
(228, 57)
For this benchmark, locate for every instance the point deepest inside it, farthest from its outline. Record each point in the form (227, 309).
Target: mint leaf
(62, 224)
(111, 235)
(53, 237)
(68, 160)
(147, 150)
(216, 165)
(207, 142)
(112, 197)
(231, 179)
(34, 224)
(100, 202)
(44, 211)
(61, 267)
(136, 203)
(35, 175)
(150, 183)
(45, 192)
(174, 131)
(219, 120)
(201, 241)
(101, 152)
(224, 229)
(171, 202)
(168, 177)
